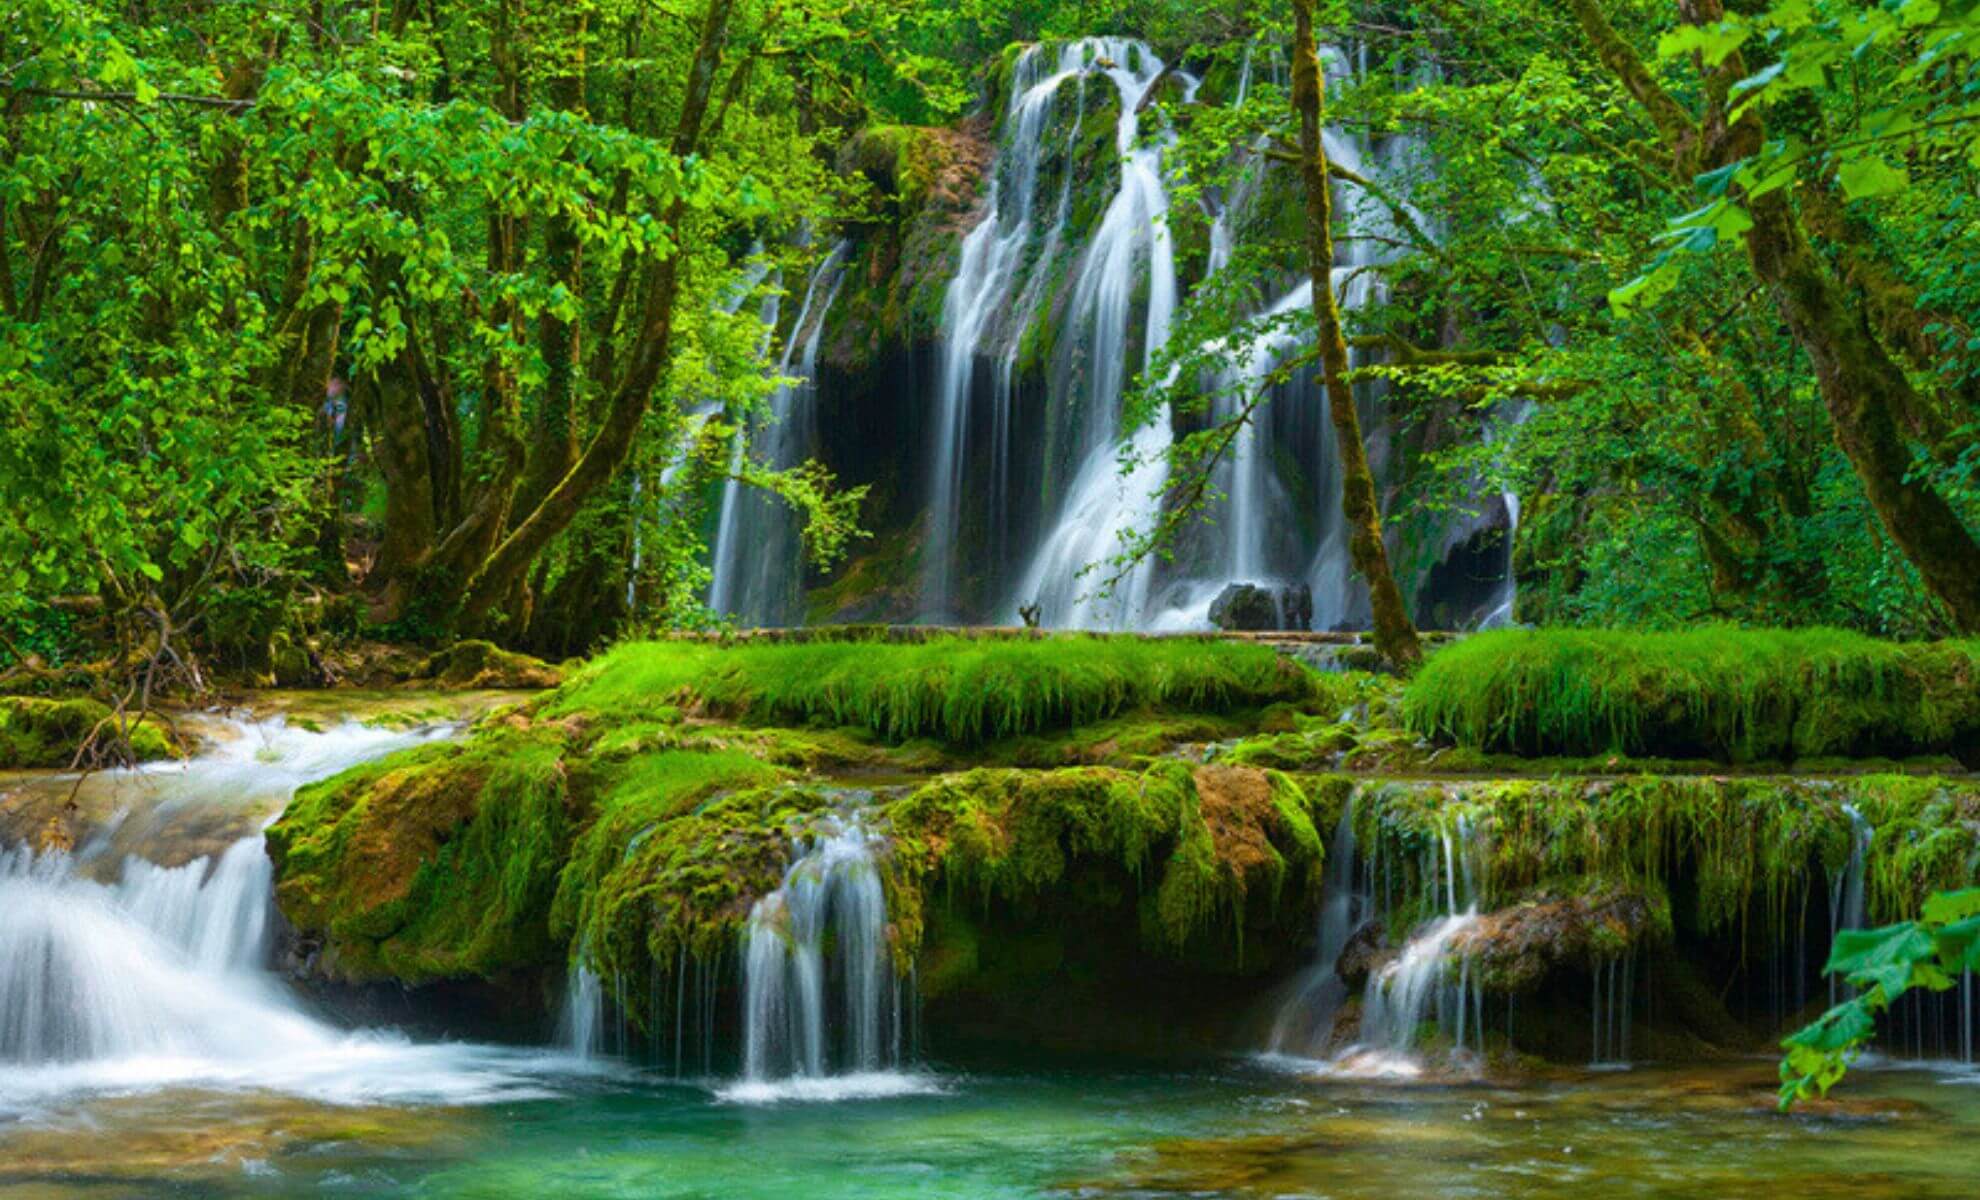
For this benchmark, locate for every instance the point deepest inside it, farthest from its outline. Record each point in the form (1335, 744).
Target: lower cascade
(119, 973)
(821, 1002)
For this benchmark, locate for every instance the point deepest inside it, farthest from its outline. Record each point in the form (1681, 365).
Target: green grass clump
(1729, 694)
(962, 690)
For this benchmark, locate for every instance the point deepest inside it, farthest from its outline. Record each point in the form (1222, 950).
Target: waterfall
(1306, 1018)
(581, 1027)
(1430, 980)
(160, 964)
(755, 270)
(1103, 505)
(757, 569)
(1846, 907)
(1614, 982)
(119, 973)
(821, 1007)
(988, 267)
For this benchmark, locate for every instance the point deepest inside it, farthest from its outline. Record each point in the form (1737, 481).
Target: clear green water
(1237, 1131)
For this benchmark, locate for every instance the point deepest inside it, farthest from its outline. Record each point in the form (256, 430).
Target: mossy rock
(476, 664)
(38, 733)
(1729, 694)
(1574, 926)
(436, 862)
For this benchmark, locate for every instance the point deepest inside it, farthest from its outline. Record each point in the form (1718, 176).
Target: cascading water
(1306, 1017)
(1418, 984)
(1846, 907)
(1103, 506)
(1429, 980)
(119, 973)
(756, 552)
(992, 255)
(756, 269)
(1259, 510)
(822, 1013)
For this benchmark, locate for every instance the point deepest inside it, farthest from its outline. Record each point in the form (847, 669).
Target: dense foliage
(1880, 965)
(408, 320)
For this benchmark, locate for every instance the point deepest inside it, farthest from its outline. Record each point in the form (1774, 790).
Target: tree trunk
(1395, 636)
(1865, 391)
(612, 442)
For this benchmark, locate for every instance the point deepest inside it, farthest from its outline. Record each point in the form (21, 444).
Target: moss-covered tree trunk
(1395, 636)
(499, 575)
(1865, 390)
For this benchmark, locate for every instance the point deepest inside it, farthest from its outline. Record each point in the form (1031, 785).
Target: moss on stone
(439, 861)
(1747, 849)
(476, 664)
(37, 733)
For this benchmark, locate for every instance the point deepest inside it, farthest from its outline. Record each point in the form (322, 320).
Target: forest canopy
(415, 319)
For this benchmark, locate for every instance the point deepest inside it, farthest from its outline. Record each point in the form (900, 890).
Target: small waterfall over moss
(121, 973)
(822, 1007)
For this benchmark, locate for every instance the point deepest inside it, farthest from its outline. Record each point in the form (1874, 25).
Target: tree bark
(1395, 636)
(612, 442)
(1864, 390)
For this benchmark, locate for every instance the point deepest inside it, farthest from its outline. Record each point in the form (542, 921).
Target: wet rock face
(1251, 607)
(1515, 948)
(1365, 953)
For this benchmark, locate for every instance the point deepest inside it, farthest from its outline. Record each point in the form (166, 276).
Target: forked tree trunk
(1395, 636)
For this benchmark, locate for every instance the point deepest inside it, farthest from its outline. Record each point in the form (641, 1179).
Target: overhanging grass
(962, 690)
(1740, 695)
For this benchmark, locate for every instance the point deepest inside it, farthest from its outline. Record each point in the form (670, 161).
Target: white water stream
(119, 975)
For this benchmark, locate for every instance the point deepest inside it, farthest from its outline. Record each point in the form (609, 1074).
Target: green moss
(962, 690)
(674, 857)
(1207, 848)
(480, 664)
(35, 732)
(1722, 693)
(439, 861)
(1746, 849)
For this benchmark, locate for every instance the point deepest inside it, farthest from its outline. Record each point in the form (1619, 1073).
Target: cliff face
(998, 303)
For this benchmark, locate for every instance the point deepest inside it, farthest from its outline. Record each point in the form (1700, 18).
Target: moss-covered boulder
(1729, 694)
(1575, 928)
(477, 664)
(437, 862)
(37, 732)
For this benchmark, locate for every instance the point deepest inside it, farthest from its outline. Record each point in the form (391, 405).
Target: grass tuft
(1729, 694)
(961, 690)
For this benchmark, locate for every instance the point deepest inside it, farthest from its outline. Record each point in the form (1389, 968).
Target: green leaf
(1645, 289)
(1841, 1027)
(1714, 42)
(150, 570)
(1868, 176)
(1944, 908)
